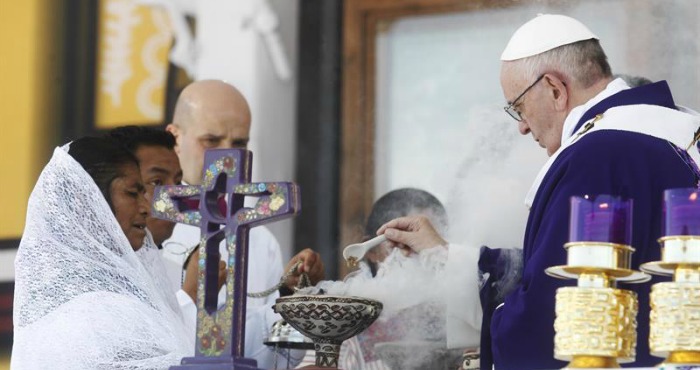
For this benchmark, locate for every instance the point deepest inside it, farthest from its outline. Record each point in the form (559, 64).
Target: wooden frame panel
(362, 19)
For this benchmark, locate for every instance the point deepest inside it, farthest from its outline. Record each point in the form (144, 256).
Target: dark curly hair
(133, 137)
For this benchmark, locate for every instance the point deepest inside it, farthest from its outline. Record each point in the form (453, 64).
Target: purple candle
(601, 218)
(682, 212)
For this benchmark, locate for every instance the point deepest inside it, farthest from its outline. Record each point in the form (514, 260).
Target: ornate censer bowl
(328, 320)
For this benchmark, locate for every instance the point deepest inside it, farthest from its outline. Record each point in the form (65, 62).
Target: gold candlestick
(595, 322)
(675, 306)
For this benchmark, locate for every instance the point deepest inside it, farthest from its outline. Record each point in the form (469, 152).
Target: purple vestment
(612, 162)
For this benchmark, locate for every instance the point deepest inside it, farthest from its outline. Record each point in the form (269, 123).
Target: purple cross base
(225, 184)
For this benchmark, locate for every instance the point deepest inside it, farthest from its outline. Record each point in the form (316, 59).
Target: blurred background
(350, 99)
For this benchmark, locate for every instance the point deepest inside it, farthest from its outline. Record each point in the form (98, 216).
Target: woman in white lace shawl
(89, 292)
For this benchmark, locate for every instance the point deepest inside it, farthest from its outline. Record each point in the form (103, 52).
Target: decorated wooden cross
(221, 215)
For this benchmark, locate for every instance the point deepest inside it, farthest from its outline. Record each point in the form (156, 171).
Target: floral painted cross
(221, 215)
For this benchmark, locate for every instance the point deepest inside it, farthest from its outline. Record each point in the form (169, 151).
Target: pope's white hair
(583, 63)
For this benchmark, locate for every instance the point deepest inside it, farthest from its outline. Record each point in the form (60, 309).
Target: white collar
(678, 128)
(614, 87)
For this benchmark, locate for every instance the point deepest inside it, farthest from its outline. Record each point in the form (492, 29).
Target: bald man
(208, 115)
(212, 114)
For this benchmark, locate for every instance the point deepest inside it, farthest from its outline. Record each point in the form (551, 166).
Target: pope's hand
(414, 232)
(311, 264)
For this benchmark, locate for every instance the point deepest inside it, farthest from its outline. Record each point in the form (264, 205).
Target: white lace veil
(83, 298)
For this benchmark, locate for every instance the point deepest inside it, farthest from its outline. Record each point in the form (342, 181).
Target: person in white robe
(415, 289)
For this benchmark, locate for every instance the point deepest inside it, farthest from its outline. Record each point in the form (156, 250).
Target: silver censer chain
(303, 283)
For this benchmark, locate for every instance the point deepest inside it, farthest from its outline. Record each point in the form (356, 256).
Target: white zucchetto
(545, 32)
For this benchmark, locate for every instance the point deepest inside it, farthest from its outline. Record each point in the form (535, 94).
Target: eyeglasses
(510, 108)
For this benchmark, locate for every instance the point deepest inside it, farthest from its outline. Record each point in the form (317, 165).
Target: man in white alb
(212, 114)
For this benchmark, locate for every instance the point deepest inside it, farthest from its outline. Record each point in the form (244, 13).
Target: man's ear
(175, 131)
(558, 90)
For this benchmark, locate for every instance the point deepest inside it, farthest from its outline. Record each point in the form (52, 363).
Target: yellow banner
(132, 64)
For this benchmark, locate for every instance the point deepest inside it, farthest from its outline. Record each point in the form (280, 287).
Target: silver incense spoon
(354, 253)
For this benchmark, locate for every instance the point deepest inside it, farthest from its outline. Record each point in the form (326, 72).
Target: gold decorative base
(683, 358)
(593, 324)
(675, 322)
(592, 362)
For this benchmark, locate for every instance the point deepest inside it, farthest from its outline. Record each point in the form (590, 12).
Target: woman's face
(130, 206)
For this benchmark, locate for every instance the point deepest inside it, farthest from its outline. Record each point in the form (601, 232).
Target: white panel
(7, 264)
(232, 50)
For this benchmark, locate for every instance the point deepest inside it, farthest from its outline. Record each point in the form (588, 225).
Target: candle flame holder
(595, 322)
(675, 306)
